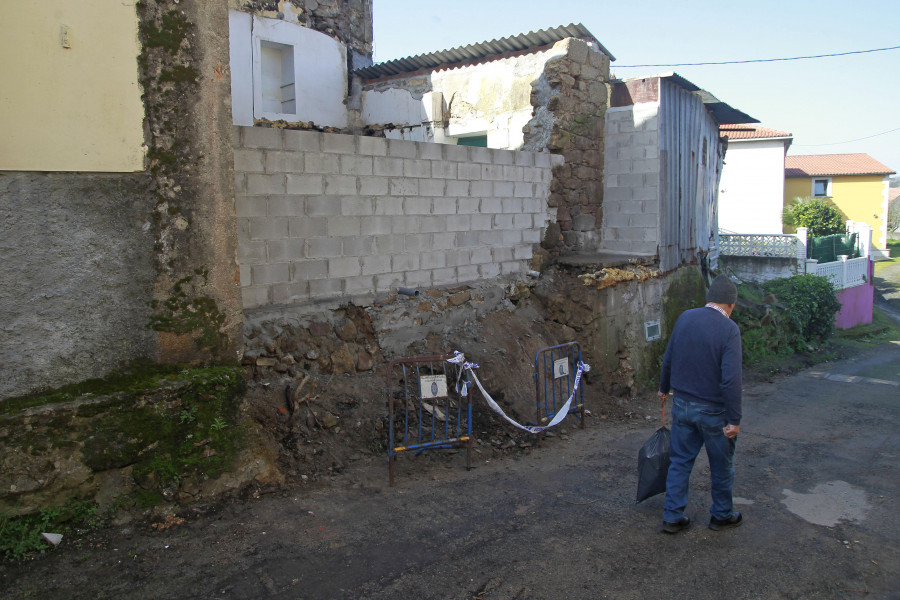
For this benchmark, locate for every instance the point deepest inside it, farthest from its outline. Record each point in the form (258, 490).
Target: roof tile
(813, 165)
(749, 131)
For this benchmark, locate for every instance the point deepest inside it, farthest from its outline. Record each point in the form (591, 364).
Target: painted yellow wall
(76, 108)
(859, 198)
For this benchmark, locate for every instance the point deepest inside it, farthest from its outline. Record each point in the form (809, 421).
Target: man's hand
(662, 397)
(731, 431)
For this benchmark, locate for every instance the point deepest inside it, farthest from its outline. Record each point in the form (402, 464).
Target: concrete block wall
(325, 216)
(631, 188)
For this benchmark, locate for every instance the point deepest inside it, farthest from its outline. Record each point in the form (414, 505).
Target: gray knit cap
(722, 291)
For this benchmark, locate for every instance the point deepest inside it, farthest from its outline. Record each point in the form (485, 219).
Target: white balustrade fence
(845, 273)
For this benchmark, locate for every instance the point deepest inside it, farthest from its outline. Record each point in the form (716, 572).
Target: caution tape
(462, 386)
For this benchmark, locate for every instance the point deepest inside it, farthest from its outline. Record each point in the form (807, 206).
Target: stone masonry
(326, 216)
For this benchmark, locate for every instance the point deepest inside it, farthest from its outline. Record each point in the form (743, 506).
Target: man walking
(702, 365)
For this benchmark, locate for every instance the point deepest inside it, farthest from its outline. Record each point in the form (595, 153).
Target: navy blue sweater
(703, 361)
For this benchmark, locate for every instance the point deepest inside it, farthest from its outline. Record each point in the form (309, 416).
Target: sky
(828, 104)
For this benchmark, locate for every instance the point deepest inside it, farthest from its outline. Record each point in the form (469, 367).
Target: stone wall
(327, 216)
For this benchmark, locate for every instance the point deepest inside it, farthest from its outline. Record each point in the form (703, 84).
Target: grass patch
(894, 247)
(20, 536)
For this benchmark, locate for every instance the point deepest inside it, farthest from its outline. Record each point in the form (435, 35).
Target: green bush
(811, 302)
(819, 216)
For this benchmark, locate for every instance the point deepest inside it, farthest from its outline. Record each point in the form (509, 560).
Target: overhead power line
(848, 141)
(759, 60)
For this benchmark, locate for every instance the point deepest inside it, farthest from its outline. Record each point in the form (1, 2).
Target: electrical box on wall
(652, 330)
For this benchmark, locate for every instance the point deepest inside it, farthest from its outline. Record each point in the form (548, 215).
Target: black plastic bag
(653, 464)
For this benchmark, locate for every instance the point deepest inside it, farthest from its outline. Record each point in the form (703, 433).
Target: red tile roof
(750, 132)
(813, 165)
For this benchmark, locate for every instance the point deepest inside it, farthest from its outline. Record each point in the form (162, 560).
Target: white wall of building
(751, 191)
(318, 76)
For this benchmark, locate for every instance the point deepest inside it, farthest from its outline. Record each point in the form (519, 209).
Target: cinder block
(325, 164)
(534, 205)
(542, 160)
(480, 256)
(364, 284)
(262, 137)
(343, 226)
(633, 180)
(512, 237)
(433, 224)
(372, 146)
(523, 190)
(339, 143)
(340, 185)
(307, 227)
(444, 206)
(431, 187)
(650, 220)
(251, 206)
(417, 206)
(248, 160)
(489, 270)
(373, 265)
(459, 223)
(264, 185)
(531, 236)
(251, 253)
(481, 189)
(387, 167)
(457, 258)
(402, 149)
(467, 239)
(443, 241)
(503, 222)
(481, 155)
(346, 266)
(305, 185)
(512, 267)
(467, 206)
(324, 206)
(324, 248)
(482, 222)
(357, 206)
(268, 228)
(286, 206)
(285, 250)
(356, 165)
(445, 276)
(373, 186)
(389, 244)
(491, 206)
(308, 270)
(363, 245)
(456, 187)
(432, 260)
(390, 207)
(430, 151)
(504, 157)
(522, 252)
(406, 224)
(614, 166)
(503, 189)
(326, 288)
(284, 162)
(521, 222)
(617, 194)
(616, 220)
(466, 273)
(388, 281)
(501, 254)
(418, 242)
(271, 273)
(254, 296)
(376, 226)
(288, 293)
(444, 169)
(240, 183)
(459, 154)
(512, 205)
(490, 238)
(469, 171)
(492, 172)
(404, 187)
(303, 141)
(405, 262)
(419, 169)
(245, 276)
(416, 279)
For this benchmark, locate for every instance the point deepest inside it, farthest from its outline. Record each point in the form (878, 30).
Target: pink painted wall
(856, 303)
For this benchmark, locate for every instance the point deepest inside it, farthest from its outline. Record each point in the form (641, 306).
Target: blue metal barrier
(425, 409)
(554, 379)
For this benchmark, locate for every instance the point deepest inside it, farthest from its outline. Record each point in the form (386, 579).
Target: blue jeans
(694, 425)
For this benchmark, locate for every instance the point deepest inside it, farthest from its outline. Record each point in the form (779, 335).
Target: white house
(751, 191)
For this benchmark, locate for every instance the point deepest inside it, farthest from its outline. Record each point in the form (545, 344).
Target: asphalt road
(817, 480)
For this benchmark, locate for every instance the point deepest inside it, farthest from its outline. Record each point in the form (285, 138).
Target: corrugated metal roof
(812, 165)
(482, 50)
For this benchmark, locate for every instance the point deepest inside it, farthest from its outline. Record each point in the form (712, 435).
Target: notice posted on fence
(432, 386)
(560, 368)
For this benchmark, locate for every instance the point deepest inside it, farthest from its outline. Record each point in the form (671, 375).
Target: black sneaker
(734, 520)
(670, 527)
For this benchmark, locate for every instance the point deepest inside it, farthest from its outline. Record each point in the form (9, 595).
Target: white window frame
(827, 193)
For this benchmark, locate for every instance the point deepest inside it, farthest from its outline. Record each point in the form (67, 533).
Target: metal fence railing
(554, 380)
